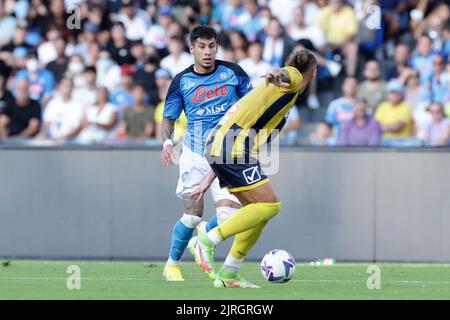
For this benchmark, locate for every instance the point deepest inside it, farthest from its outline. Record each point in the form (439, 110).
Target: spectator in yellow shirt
(339, 24)
(395, 115)
(163, 79)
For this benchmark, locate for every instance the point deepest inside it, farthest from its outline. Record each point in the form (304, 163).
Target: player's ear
(191, 49)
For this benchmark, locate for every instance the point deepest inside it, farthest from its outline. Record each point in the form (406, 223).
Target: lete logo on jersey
(203, 93)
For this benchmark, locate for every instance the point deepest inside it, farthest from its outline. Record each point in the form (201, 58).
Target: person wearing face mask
(75, 71)
(41, 81)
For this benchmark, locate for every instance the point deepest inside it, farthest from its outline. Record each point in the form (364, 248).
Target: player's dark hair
(303, 60)
(204, 32)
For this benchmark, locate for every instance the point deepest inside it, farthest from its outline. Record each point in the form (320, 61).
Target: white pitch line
(363, 281)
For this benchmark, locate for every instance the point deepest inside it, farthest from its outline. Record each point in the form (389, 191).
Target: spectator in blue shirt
(41, 81)
(422, 59)
(341, 109)
(440, 81)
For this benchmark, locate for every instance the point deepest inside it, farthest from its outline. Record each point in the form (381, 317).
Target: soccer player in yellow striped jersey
(263, 110)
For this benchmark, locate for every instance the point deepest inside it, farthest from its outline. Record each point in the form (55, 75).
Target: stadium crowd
(91, 71)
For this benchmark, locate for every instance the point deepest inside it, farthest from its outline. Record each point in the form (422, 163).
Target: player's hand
(168, 156)
(204, 185)
(274, 76)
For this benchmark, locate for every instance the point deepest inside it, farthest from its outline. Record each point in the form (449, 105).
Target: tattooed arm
(167, 154)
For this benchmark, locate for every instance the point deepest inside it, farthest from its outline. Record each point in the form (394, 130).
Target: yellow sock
(244, 241)
(248, 217)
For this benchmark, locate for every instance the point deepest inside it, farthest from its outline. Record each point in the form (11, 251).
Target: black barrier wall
(353, 205)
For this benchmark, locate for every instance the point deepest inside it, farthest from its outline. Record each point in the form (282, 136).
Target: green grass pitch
(20, 279)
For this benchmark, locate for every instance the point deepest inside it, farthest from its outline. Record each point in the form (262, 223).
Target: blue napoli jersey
(205, 98)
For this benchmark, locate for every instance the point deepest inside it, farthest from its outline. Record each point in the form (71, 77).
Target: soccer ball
(278, 266)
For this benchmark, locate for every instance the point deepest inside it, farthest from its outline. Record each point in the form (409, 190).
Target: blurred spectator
(282, 9)
(108, 72)
(6, 97)
(362, 129)
(341, 109)
(233, 14)
(438, 133)
(99, 120)
(40, 80)
(418, 97)
(86, 94)
(254, 66)
(369, 36)
(86, 41)
(119, 46)
(446, 40)
(433, 25)
(46, 51)
(7, 25)
(75, 70)
(59, 66)
(205, 11)
(157, 34)
(122, 97)
(338, 21)
(290, 132)
(422, 58)
(253, 23)
(440, 81)
(145, 76)
(395, 115)
(277, 45)
(63, 115)
(395, 16)
(298, 29)
(402, 66)
(239, 44)
(322, 135)
(21, 116)
(373, 87)
(135, 20)
(138, 120)
(178, 59)
(163, 80)
(17, 42)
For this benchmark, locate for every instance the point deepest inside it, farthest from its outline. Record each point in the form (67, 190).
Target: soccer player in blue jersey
(204, 91)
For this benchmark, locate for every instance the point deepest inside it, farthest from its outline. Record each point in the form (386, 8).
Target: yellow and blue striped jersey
(251, 121)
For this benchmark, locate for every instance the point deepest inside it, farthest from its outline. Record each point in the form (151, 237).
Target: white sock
(214, 237)
(232, 264)
(190, 220)
(172, 262)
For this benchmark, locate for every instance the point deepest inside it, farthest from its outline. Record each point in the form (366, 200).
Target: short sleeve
(36, 111)
(379, 114)
(174, 101)
(296, 79)
(330, 116)
(244, 83)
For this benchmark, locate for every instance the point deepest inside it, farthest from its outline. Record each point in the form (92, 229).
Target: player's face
(204, 52)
